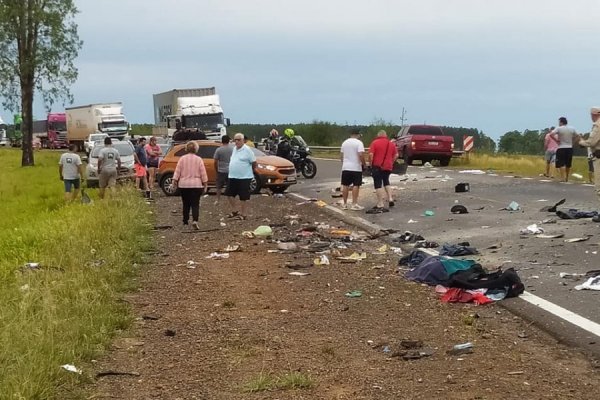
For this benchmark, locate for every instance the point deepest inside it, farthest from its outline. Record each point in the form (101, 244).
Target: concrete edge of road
(549, 321)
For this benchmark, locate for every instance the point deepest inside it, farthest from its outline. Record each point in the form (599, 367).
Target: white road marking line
(527, 178)
(563, 313)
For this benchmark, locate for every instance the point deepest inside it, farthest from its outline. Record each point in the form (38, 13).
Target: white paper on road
(590, 284)
(472, 171)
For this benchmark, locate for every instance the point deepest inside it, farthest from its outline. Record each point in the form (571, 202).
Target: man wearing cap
(593, 142)
(352, 154)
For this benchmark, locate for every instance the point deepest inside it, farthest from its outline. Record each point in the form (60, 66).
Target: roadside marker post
(467, 145)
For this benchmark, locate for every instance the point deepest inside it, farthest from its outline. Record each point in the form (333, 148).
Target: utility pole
(403, 117)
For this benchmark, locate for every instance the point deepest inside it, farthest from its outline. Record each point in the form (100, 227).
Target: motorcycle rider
(272, 142)
(284, 147)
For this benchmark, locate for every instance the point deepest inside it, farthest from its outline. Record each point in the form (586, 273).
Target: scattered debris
(263, 231)
(460, 349)
(549, 221)
(412, 221)
(170, 332)
(71, 368)
(298, 273)
(354, 257)
(591, 284)
(232, 248)
(116, 373)
(578, 239)
(320, 203)
(354, 293)
(287, 246)
(428, 213)
(513, 206)
(462, 187)
(218, 256)
(553, 236)
(458, 209)
(532, 229)
(322, 260)
(554, 207)
(472, 171)
(577, 176)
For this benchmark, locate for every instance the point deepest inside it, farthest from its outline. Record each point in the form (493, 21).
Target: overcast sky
(492, 65)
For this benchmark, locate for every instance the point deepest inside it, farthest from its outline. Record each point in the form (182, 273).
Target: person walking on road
(593, 143)
(352, 154)
(241, 173)
(191, 179)
(383, 156)
(71, 172)
(109, 162)
(550, 146)
(153, 153)
(564, 135)
(222, 157)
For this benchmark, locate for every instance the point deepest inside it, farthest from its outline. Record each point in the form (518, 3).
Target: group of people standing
(382, 156)
(559, 143)
(235, 170)
(146, 158)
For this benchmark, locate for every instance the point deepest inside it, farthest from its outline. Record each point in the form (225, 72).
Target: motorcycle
(299, 154)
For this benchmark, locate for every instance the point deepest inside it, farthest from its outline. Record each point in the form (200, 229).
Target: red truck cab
(425, 143)
(57, 130)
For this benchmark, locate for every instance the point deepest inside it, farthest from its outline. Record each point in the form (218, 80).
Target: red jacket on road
(383, 153)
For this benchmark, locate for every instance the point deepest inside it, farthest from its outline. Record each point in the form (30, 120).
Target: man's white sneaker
(344, 206)
(356, 207)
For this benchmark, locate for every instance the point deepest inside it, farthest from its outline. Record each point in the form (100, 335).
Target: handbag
(596, 153)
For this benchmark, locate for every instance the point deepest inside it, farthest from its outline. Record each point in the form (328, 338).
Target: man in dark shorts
(352, 154)
(241, 173)
(564, 135)
(71, 172)
(222, 157)
(383, 156)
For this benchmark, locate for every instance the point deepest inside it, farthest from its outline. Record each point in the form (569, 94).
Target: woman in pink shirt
(191, 179)
(550, 146)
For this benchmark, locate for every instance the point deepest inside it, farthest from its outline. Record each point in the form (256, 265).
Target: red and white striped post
(467, 145)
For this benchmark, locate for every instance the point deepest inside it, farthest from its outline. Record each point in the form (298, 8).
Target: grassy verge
(65, 311)
(517, 164)
(514, 164)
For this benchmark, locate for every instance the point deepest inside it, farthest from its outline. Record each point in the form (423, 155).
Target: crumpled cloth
(573, 213)
(454, 250)
(591, 284)
(455, 295)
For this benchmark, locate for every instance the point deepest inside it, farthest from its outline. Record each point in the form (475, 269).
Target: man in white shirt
(71, 172)
(353, 163)
(564, 135)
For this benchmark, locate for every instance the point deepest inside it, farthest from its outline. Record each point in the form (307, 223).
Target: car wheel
(166, 184)
(255, 185)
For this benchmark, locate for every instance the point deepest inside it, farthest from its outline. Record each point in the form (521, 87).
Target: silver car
(127, 170)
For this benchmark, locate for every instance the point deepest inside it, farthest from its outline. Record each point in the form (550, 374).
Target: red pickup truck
(424, 143)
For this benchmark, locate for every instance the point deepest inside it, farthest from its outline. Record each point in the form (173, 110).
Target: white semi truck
(3, 137)
(82, 121)
(190, 109)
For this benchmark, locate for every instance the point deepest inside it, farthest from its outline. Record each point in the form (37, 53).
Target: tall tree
(38, 44)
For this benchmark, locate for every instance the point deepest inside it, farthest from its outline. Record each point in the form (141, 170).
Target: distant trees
(530, 142)
(38, 46)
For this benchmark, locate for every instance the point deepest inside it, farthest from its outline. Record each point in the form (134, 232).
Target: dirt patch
(244, 328)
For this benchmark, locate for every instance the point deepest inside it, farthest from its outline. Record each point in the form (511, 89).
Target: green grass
(522, 165)
(67, 311)
(290, 381)
(517, 164)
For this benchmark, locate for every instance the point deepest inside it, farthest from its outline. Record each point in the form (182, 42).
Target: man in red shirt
(383, 156)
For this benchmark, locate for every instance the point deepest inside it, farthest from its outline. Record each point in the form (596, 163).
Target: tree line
(528, 142)
(322, 133)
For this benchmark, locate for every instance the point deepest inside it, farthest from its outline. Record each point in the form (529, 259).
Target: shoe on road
(356, 207)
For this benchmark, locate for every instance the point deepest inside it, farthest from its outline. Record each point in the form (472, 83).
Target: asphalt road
(538, 261)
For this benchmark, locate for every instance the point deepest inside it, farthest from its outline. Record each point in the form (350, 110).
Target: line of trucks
(178, 109)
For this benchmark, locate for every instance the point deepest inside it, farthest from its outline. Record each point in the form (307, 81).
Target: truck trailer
(189, 109)
(82, 121)
(3, 137)
(53, 131)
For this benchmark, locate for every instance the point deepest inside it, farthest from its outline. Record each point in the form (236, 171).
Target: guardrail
(455, 153)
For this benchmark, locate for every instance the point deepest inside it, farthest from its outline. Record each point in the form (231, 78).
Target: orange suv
(274, 173)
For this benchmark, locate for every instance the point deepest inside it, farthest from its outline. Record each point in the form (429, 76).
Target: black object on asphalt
(458, 209)
(553, 208)
(462, 187)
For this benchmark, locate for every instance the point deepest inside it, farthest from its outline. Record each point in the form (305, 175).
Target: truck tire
(165, 184)
(445, 161)
(407, 159)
